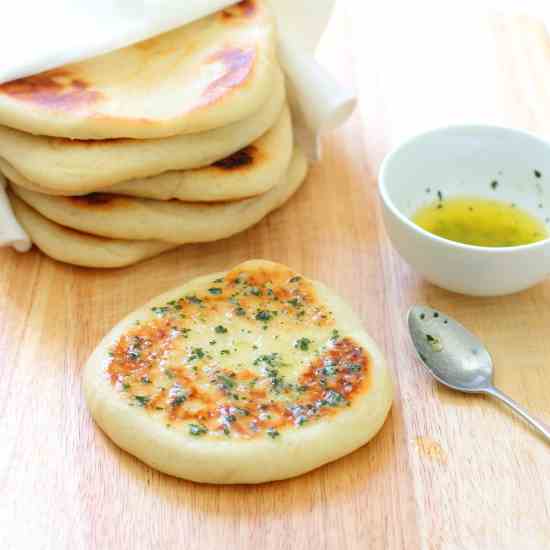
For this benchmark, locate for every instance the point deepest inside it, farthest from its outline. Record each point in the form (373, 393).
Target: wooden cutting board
(446, 471)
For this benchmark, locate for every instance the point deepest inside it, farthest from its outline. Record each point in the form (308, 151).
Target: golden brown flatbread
(248, 376)
(205, 75)
(130, 218)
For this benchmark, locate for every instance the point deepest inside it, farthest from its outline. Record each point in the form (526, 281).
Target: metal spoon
(456, 358)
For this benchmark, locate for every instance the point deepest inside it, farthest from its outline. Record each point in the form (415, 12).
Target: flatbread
(247, 173)
(73, 247)
(73, 166)
(250, 376)
(130, 218)
(204, 75)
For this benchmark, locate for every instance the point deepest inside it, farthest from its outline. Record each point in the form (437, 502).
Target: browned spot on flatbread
(246, 8)
(244, 157)
(238, 64)
(93, 199)
(56, 89)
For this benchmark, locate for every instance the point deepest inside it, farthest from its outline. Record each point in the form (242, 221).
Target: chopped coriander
(220, 329)
(225, 382)
(273, 360)
(264, 315)
(196, 353)
(333, 399)
(302, 343)
(142, 399)
(193, 300)
(225, 352)
(354, 368)
(133, 354)
(215, 291)
(160, 311)
(273, 433)
(328, 371)
(179, 399)
(197, 429)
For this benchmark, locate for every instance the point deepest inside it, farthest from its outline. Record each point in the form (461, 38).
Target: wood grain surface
(446, 471)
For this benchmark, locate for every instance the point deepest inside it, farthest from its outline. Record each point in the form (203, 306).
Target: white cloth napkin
(11, 233)
(80, 29)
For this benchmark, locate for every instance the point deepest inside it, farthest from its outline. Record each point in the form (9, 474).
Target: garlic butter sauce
(480, 222)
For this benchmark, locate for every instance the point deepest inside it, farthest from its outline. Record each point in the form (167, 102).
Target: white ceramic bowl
(465, 160)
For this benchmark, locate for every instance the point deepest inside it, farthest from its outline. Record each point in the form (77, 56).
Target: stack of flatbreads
(184, 138)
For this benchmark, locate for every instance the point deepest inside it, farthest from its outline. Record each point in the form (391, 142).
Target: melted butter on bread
(249, 355)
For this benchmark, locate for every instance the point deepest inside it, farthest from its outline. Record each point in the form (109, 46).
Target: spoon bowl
(457, 358)
(452, 354)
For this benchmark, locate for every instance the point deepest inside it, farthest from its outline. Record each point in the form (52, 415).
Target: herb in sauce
(220, 329)
(215, 291)
(481, 222)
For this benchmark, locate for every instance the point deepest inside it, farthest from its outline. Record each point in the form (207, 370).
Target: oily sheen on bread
(247, 376)
(76, 248)
(248, 172)
(202, 76)
(76, 166)
(130, 218)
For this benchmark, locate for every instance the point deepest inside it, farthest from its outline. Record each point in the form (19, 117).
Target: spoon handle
(537, 424)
